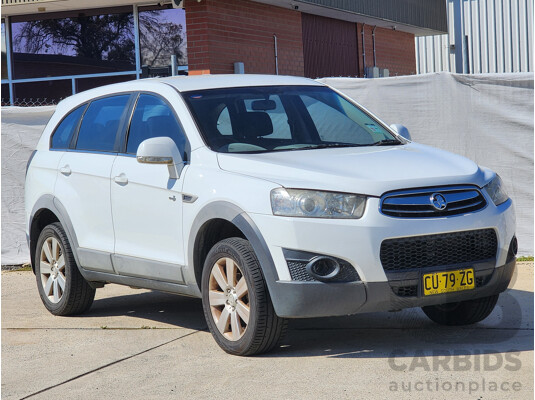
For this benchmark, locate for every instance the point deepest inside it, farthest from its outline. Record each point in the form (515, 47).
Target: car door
(83, 184)
(146, 203)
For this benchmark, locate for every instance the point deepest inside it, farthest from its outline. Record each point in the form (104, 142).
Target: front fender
(238, 217)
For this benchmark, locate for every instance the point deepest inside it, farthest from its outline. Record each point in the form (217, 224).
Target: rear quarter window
(61, 138)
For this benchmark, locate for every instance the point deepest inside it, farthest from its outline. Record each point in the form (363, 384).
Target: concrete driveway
(142, 344)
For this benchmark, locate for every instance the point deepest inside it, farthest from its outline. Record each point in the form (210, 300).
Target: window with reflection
(4, 52)
(5, 95)
(162, 33)
(73, 43)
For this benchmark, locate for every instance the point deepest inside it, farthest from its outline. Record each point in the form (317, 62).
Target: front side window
(98, 130)
(62, 135)
(282, 118)
(153, 118)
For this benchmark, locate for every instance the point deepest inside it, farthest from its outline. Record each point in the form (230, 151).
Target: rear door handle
(66, 170)
(121, 179)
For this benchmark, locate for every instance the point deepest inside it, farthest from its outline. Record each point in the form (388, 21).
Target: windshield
(282, 118)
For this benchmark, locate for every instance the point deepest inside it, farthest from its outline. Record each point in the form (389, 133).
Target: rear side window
(61, 137)
(101, 122)
(153, 118)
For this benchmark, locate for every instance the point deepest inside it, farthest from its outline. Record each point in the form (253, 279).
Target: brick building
(221, 32)
(313, 38)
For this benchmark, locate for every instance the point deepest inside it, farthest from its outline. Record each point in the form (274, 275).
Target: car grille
(438, 250)
(406, 291)
(418, 203)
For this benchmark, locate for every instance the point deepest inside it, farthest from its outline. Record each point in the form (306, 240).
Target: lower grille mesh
(406, 291)
(437, 250)
(298, 272)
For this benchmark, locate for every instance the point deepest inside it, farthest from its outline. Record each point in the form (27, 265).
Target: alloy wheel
(52, 269)
(229, 298)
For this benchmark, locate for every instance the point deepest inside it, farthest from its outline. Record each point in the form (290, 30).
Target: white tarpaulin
(21, 129)
(488, 118)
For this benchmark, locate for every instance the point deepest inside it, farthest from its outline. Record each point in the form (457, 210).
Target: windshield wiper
(386, 142)
(323, 146)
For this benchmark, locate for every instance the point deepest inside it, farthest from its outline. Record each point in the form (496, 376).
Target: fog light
(514, 245)
(323, 268)
(513, 249)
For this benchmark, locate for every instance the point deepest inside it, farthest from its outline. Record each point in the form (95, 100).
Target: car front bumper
(293, 299)
(358, 242)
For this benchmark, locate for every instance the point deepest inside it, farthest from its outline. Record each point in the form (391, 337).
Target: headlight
(316, 204)
(496, 191)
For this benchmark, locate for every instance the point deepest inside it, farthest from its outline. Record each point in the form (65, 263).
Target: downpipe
(276, 55)
(363, 50)
(373, 41)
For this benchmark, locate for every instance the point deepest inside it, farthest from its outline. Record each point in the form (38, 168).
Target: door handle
(66, 170)
(121, 179)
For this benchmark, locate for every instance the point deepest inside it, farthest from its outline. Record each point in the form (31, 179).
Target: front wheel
(236, 302)
(62, 288)
(463, 312)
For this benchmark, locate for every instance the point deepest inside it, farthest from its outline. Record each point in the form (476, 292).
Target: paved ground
(142, 344)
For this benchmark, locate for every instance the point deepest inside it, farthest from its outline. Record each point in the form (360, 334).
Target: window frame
(118, 133)
(126, 132)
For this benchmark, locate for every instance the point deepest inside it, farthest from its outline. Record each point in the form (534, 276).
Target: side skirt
(176, 288)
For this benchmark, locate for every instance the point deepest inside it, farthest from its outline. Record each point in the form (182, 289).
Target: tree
(104, 37)
(101, 37)
(160, 39)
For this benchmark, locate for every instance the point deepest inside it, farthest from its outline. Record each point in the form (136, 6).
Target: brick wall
(221, 32)
(394, 50)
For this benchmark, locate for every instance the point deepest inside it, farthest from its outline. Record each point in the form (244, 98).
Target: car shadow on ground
(374, 335)
(177, 311)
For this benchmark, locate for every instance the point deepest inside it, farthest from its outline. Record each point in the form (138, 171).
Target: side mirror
(161, 150)
(401, 131)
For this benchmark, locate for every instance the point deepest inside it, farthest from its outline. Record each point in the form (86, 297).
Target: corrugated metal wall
(329, 47)
(498, 37)
(428, 14)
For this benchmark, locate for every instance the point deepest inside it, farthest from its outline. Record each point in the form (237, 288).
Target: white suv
(269, 197)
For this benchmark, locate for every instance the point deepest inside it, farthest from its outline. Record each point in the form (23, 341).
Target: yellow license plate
(449, 281)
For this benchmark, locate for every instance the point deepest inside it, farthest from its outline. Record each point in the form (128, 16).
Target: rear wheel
(236, 302)
(62, 288)
(462, 313)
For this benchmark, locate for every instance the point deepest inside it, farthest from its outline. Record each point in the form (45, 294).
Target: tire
(240, 316)
(462, 313)
(62, 288)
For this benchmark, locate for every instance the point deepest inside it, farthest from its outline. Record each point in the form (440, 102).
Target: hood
(366, 170)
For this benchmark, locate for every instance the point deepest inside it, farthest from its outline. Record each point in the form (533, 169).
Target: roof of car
(187, 83)
(184, 84)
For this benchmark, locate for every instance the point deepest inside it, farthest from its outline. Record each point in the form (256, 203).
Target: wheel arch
(234, 222)
(48, 209)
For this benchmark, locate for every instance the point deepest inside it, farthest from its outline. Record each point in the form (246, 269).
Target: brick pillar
(394, 50)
